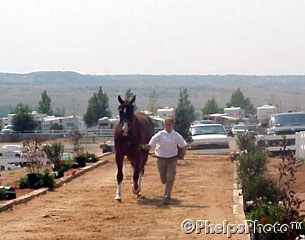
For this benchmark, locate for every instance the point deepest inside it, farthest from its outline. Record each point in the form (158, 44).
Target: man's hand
(181, 152)
(145, 147)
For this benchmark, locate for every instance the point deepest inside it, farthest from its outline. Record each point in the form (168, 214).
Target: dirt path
(85, 208)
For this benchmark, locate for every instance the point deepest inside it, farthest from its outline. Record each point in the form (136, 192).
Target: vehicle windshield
(203, 130)
(239, 127)
(288, 119)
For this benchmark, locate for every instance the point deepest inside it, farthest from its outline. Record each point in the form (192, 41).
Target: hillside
(71, 90)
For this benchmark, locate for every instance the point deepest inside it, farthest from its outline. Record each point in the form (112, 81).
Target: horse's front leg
(119, 162)
(139, 184)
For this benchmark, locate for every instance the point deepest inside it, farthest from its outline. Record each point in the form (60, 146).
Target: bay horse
(133, 129)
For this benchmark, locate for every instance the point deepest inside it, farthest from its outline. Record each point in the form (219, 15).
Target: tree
(23, 120)
(238, 100)
(45, 104)
(98, 107)
(128, 95)
(210, 107)
(153, 98)
(184, 114)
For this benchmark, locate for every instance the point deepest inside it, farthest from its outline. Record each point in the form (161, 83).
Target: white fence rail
(300, 145)
(50, 134)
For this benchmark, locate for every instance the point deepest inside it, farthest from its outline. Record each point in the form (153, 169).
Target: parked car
(281, 124)
(12, 151)
(7, 131)
(209, 138)
(239, 129)
(286, 123)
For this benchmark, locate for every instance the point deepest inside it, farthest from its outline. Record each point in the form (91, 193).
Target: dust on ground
(85, 208)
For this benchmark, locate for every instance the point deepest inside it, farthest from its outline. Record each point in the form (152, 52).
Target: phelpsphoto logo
(300, 237)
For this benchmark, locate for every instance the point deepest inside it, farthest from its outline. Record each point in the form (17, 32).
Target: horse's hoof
(118, 199)
(136, 192)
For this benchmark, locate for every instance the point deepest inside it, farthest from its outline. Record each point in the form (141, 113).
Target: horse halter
(126, 110)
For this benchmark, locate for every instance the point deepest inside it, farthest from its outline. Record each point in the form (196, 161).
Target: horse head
(126, 112)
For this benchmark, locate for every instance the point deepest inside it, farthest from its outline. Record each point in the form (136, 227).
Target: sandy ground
(85, 208)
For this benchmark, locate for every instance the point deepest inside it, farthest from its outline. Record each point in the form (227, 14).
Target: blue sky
(153, 36)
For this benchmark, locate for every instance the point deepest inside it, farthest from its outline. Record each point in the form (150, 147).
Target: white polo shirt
(165, 143)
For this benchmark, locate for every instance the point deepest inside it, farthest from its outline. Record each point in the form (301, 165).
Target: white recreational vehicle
(164, 112)
(236, 112)
(264, 113)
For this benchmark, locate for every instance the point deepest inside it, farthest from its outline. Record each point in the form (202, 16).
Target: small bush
(47, 179)
(246, 142)
(251, 164)
(2, 193)
(91, 157)
(23, 183)
(266, 201)
(267, 213)
(262, 187)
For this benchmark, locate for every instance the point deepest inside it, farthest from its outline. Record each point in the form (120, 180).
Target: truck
(282, 131)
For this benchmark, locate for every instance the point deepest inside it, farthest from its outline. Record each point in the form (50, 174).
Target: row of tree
(237, 100)
(98, 107)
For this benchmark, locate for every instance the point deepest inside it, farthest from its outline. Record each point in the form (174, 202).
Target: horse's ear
(133, 99)
(120, 99)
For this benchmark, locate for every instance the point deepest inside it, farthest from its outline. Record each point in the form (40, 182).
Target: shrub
(271, 203)
(251, 164)
(263, 187)
(246, 142)
(54, 152)
(34, 155)
(2, 193)
(47, 179)
(91, 157)
(66, 164)
(23, 183)
(267, 213)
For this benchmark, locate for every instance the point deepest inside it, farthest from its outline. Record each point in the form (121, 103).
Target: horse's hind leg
(135, 184)
(119, 176)
(135, 177)
(140, 172)
(139, 184)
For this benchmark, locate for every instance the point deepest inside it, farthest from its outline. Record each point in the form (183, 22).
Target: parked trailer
(264, 113)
